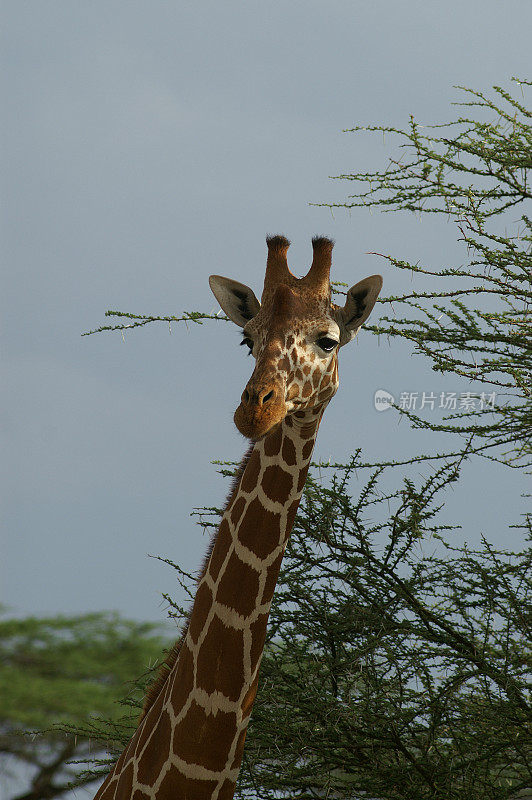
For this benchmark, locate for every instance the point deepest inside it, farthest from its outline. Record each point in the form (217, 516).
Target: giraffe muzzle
(260, 409)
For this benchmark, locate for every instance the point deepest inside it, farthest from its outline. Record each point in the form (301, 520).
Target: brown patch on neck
(272, 441)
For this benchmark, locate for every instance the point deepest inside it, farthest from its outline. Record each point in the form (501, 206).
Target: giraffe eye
(326, 343)
(248, 342)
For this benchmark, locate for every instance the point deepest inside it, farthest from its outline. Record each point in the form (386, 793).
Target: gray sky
(147, 145)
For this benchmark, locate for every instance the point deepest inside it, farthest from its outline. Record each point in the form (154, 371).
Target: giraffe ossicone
(190, 739)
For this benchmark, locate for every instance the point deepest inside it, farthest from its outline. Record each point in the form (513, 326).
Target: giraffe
(190, 738)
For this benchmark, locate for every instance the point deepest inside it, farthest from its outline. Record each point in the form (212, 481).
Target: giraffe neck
(190, 742)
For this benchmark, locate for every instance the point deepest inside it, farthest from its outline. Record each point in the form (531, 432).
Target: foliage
(391, 672)
(58, 676)
(472, 171)
(139, 320)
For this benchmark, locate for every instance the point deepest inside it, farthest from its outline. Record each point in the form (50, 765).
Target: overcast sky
(146, 146)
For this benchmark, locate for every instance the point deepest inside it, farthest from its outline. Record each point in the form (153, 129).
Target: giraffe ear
(359, 303)
(237, 300)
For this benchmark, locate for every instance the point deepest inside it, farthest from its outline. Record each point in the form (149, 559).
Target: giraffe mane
(165, 667)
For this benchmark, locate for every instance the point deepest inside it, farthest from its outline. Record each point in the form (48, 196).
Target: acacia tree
(60, 677)
(473, 171)
(390, 673)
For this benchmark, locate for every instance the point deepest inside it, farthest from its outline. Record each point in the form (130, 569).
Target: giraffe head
(294, 334)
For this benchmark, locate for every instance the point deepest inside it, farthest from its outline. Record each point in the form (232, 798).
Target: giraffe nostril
(245, 396)
(267, 398)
